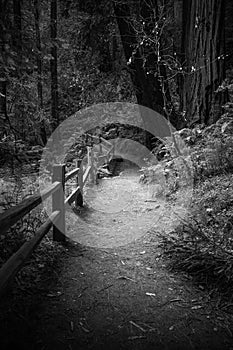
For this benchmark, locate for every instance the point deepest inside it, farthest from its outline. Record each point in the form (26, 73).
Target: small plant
(215, 158)
(174, 169)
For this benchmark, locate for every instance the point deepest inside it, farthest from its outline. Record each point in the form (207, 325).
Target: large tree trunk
(228, 32)
(203, 53)
(3, 81)
(53, 65)
(17, 35)
(39, 69)
(38, 52)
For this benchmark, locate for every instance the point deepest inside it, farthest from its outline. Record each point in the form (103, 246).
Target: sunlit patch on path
(119, 210)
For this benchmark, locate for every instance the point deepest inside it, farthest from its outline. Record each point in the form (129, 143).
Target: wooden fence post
(113, 149)
(88, 156)
(79, 197)
(92, 172)
(58, 203)
(107, 158)
(100, 152)
(100, 146)
(90, 162)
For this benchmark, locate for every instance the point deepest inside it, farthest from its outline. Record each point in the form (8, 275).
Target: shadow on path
(114, 291)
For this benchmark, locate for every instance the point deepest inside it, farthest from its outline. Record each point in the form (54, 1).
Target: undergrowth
(202, 245)
(45, 255)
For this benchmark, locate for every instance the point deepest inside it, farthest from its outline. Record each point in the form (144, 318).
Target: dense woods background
(60, 56)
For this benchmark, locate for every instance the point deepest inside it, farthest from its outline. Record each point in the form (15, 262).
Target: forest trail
(120, 209)
(111, 295)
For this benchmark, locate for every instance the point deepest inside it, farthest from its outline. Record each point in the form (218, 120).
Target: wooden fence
(95, 158)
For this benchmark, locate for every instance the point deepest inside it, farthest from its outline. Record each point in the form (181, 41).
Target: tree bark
(203, 60)
(38, 52)
(17, 36)
(3, 81)
(228, 32)
(53, 65)
(147, 71)
(39, 69)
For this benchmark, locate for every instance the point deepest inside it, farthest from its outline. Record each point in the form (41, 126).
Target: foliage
(173, 168)
(214, 158)
(13, 192)
(202, 245)
(227, 87)
(90, 66)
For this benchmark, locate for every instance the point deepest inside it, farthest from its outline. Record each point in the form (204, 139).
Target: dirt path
(114, 291)
(119, 210)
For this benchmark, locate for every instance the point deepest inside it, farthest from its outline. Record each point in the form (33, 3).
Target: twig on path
(149, 327)
(71, 326)
(136, 337)
(170, 301)
(108, 297)
(84, 326)
(54, 294)
(79, 296)
(104, 288)
(85, 329)
(137, 326)
(125, 278)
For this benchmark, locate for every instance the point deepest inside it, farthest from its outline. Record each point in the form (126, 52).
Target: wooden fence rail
(59, 203)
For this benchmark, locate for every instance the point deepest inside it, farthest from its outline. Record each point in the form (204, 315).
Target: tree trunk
(53, 65)
(38, 52)
(203, 60)
(17, 35)
(228, 32)
(147, 85)
(3, 81)
(147, 71)
(39, 69)
(3, 110)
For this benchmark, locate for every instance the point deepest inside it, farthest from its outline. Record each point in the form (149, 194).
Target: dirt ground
(114, 290)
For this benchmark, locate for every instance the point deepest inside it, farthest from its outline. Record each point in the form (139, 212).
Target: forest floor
(112, 289)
